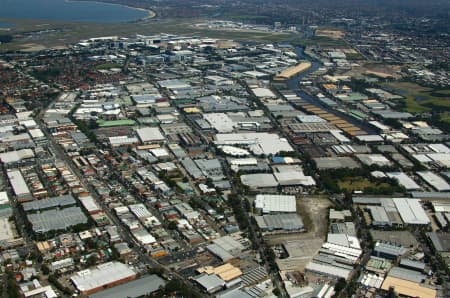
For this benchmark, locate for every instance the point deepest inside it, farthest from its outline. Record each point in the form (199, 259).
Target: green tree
(91, 260)
(45, 269)
(172, 225)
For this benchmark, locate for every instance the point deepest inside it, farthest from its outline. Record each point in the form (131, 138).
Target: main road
(122, 229)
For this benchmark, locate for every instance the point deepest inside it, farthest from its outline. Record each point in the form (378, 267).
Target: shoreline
(150, 13)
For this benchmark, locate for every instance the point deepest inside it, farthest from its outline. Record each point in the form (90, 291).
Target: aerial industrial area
(172, 165)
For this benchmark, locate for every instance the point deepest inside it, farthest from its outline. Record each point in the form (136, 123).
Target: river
(294, 84)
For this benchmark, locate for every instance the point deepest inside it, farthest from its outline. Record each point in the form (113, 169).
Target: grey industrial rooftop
(135, 288)
(387, 248)
(259, 180)
(61, 201)
(325, 163)
(286, 222)
(56, 219)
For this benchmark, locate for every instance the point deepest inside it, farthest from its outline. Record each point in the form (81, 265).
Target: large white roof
(276, 203)
(257, 142)
(220, 121)
(328, 270)
(439, 148)
(263, 92)
(104, 274)
(404, 180)
(288, 175)
(370, 159)
(243, 161)
(150, 134)
(434, 180)
(234, 151)
(139, 210)
(15, 156)
(310, 119)
(4, 198)
(411, 211)
(89, 204)
(259, 180)
(18, 183)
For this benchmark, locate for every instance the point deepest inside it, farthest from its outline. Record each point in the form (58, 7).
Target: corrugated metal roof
(136, 288)
(411, 211)
(104, 274)
(276, 203)
(65, 200)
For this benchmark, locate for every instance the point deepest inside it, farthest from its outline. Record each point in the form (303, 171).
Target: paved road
(122, 229)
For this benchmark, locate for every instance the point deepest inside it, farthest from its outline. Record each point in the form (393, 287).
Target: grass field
(63, 33)
(358, 183)
(420, 99)
(60, 34)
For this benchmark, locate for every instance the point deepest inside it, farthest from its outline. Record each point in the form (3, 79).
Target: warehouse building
(234, 293)
(411, 211)
(440, 241)
(56, 219)
(227, 272)
(7, 234)
(275, 203)
(5, 205)
(260, 143)
(215, 103)
(388, 250)
(220, 122)
(62, 264)
(404, 180)
(435, 181)
(210, 283)
(14, 158)
(407, 288)
(441, 219)
(137, 288)
(118, 141)
(287, 222)
(263, 93)
(398, 238)
(310, 119)
(407, 282)
(328, 270)
(220, 252)
(90, 205)
(234, 151)
(233, 244)
(329, 163)
(412, 265)
(211, 168)
(102, 277)
(150, 135)
(371, 280)
(54, 202)
(379, 216)
(374, 159)
(228, 247)
(19, 186)
(292, 175)
(434, 195)
(192, 168)
(293, 71)
(258, 181)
